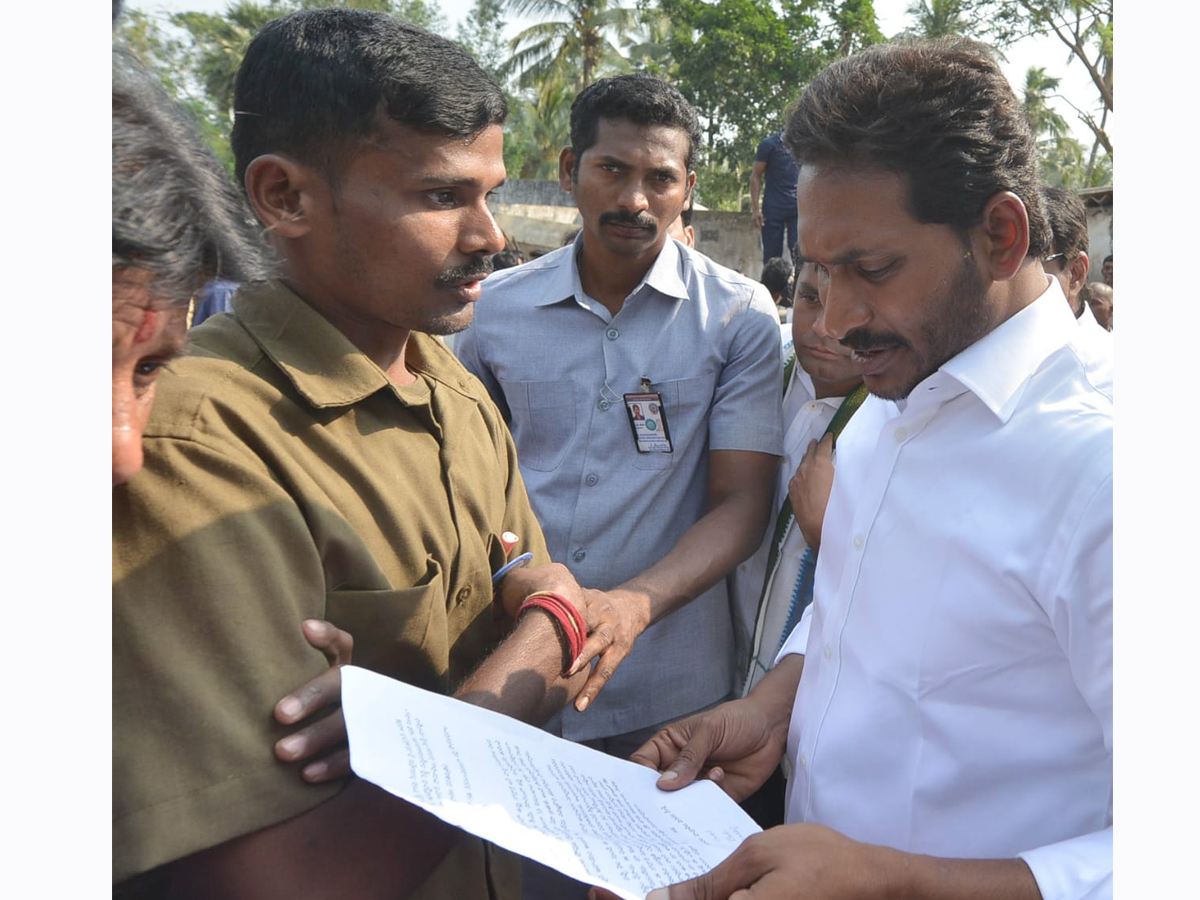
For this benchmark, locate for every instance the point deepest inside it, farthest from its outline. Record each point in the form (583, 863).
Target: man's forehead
(847, 213)
(619, 137)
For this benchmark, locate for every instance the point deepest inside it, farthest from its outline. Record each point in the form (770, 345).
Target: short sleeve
(214, 568)
(763, 154)
(747, 410)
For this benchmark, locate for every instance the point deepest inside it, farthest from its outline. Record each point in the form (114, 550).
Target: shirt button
(464, 594)
(604, 404)
(858, 542)
(591, 479)
(901, 434)
(812, 404)
(829, 651)
(612, 334)
(579, 555)
(803, 762)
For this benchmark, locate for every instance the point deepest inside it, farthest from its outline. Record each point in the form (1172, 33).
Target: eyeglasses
(1050, 259)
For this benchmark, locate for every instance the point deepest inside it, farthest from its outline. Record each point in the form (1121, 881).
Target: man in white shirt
(770, 590)
(952, 732)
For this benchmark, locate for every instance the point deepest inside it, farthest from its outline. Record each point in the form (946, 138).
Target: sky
(1044, 50)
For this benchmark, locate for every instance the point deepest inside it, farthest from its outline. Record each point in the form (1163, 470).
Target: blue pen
(519, 563)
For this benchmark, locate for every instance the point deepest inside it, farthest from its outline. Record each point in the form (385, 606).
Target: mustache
(476, 270)
(863, 339)
(620, 217)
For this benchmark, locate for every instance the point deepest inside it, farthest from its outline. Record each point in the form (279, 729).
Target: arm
(756, 179)
(740, 484)
(365, 843)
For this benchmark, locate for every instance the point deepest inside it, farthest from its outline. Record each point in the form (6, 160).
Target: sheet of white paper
(596, 818)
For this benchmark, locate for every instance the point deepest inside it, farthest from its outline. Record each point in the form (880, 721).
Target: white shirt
(805, 419)
(957, 690)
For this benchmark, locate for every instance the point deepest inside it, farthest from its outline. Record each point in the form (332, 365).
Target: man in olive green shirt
(318, 456)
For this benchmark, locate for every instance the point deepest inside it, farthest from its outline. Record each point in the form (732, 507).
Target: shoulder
(721, 286)
(222, 363)
(525, 283)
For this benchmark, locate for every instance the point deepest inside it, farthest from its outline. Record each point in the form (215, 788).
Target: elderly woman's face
(147, 333)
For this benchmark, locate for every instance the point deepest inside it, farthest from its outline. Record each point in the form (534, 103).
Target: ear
(689, 236)
(1005, 232)
(691, 186)
(279, 189)
(566, 169)
(1079, 271)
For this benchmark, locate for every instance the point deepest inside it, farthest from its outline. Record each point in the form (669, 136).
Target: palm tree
(1061, 154)
(575, 39)
(940, 18)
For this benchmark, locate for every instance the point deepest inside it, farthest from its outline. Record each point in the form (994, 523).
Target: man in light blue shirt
(641, 383)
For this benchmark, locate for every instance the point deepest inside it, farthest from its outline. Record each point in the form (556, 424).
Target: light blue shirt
(558, 363)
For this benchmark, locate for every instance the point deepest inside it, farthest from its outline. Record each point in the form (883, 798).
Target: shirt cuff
(1077, 869)
(797, 641)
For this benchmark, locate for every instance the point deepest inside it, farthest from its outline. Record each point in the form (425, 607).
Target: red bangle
(563, 611)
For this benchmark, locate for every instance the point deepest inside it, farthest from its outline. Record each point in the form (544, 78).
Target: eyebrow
(435, 180)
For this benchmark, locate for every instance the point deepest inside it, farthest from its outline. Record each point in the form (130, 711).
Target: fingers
(313, 740)
(694, 749)
(728, 880)
(337, 645)
(615, 651)
(329, 768)
(324, 690)
(825, 448)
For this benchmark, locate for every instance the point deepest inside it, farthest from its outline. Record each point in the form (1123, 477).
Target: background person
(777, 213)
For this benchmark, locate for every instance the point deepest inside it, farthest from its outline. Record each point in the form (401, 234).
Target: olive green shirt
(287, 477)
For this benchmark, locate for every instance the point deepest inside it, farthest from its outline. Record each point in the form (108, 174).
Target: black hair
(314, 82)
(1106, 259)
(776, 274)
(640, 99)
(176, 213)
(1067, 218)
(939, 113)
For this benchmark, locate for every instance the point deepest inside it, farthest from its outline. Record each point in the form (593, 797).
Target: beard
(956, 316)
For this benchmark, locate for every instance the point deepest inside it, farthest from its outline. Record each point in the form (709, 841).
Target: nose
(842, 310)
(483, 236)
(633, 197)
(126, 452)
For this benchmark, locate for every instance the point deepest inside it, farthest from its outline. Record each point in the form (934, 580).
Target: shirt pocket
(686, 402)
(398, 632)
(543, 421)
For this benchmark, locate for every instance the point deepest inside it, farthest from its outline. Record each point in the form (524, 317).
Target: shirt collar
(997, 367)
(325, 368)
(665, 275)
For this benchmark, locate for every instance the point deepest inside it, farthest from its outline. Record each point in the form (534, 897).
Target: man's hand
(791, 862)
(809, 489)
(324, 736)
(756, 219)
(615, 620)
(737, 745)
(812, 862)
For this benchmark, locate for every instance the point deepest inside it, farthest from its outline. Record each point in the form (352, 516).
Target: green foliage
(942, 18)
(481, 34)
(1085, 29)
(575, 42)
(742, 62)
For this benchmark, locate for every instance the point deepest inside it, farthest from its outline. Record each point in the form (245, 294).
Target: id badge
(648, 420)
